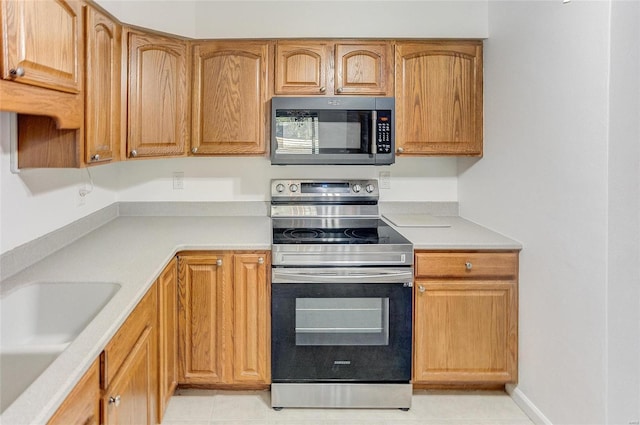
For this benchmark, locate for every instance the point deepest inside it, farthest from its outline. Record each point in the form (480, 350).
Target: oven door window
(342, 321)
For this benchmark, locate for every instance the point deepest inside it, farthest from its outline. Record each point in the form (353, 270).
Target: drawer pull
(421, 288)
(468, 265)
(115, 400)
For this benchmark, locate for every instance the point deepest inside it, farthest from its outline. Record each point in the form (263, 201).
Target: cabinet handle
(194, 150)
(134, 153)
(95, 157)
(260, 260)
(323, 89)
(400, 150)
(218, 262)
(468, 265)
(17, 72)
(421, 288)
(115, 400)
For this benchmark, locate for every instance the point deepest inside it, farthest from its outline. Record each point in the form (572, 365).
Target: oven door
(341, 324)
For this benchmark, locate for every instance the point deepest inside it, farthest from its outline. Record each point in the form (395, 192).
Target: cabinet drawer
(115, 353)
(466, 264)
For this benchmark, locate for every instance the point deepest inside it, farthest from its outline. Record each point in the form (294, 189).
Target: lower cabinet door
(465, 332)
(82, 406)
(129, 399)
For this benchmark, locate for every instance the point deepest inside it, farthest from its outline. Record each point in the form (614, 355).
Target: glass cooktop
(373, 231)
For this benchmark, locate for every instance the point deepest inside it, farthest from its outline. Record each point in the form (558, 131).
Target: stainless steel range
(341, 298)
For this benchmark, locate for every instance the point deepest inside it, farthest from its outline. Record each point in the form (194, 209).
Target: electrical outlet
(385, 179)
(178, 180)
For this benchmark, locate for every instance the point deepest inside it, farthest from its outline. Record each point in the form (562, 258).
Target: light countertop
(133, 250)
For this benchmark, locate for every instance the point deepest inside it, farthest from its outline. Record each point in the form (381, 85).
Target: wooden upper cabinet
(439, 98)
(334, 68)
(158, 96)
(230, 97)
(102, 94)
(43, 43)
(302, 67)
(364, 68)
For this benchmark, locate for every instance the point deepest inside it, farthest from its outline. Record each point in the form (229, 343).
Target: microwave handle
(374, 121)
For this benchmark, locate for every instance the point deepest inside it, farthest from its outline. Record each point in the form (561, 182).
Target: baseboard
(527, 405)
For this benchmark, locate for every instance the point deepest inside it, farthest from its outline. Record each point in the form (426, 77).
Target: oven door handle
(342, 275)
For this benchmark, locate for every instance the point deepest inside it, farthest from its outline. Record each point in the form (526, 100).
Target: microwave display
(344, 131)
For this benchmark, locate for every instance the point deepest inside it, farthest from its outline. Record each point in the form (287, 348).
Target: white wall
(38, 201)
(623, 286)
(547, 180)
(247, 179)
(344, 18)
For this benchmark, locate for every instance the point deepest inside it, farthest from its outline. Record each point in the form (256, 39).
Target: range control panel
(326, 189)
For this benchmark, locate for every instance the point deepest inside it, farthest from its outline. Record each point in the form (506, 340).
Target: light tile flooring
(207, 407)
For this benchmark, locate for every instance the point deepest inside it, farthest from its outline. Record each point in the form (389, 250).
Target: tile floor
(208, 407)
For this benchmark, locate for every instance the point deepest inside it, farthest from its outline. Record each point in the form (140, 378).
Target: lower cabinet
(223, 319)
(167, 335)
(82, 406)
(130, 368)
(465, 318)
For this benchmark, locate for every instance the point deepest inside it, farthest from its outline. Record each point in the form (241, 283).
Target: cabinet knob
(421, 288)
(218, 262)
(260, 260)
(115, 400)
(323, 89)
(194, 150)
(400, 150)
(95, 157)
(134, 153)
(17, 72)
(339, 90)
(468, 265)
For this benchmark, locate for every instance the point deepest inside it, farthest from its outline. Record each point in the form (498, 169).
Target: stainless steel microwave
(332, 130)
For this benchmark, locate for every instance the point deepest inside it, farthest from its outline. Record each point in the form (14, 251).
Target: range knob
(280, 188)
(370, 188)
(293, 187)
(357, 188)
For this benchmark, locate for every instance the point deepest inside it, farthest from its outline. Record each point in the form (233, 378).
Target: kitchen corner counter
(131, 251)
(452, 233)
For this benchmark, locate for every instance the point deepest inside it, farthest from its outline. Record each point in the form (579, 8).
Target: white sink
(38, 321)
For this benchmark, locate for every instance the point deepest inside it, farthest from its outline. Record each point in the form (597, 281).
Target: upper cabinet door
(364, 68)
(302, 67)
(158, 96)
(43, 43)
(439, 98)
(102, 94)
(230, 97)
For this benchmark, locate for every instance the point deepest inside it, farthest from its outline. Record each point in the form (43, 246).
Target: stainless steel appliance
(332, 130)
(341, 298)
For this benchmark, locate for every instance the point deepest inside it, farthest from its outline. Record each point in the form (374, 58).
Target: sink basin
(38, 321)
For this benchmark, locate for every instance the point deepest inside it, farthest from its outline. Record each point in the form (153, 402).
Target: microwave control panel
(383, 132)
